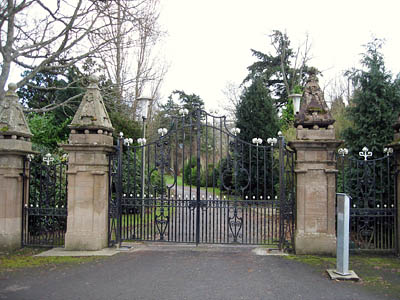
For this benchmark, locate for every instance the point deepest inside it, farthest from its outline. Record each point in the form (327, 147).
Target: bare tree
(46, 36)
(232, 93)
(339, 87)
(129, 61)
(301, 57)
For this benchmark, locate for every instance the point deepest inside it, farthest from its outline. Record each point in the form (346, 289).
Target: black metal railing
(44, 202)
(371, 184)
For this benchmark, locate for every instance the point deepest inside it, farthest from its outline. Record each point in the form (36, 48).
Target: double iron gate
(199, 183)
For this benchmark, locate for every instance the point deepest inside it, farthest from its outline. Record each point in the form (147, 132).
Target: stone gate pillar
(15, 144)
(88, 147)
(315, 146)
(396, 151)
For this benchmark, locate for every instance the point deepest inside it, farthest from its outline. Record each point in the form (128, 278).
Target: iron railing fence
(44, 220)
(371, 184)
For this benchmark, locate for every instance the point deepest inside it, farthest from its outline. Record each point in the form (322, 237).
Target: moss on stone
(316, 109)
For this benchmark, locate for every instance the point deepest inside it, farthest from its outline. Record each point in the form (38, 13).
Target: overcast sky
(208, 42)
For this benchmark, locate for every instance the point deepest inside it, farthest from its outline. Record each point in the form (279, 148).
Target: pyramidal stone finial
(92, 113)
(12, 119)
(314, 111)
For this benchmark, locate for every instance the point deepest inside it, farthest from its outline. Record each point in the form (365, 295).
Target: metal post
(24, 181)
(342, 271)
(282, 192)
(342, 244)
(119, 192)
(143, 172)
(198, 124)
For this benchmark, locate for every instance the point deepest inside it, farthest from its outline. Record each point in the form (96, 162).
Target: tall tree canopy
(283, 70)
(375, 104)
(177, 100)
(256, 115)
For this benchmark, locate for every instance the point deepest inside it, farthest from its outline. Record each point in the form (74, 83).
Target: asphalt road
(181, 273)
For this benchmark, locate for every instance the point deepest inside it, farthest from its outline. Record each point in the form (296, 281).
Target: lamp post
(296, 102)
(143, 105)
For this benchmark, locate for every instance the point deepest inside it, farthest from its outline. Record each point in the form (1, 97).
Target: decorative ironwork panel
(113, 197)
(371, 185)
(44, 201)
(287, 208)
(199, 183)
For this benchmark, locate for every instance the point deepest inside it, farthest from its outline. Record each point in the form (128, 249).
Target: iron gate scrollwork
(44, 220)
(198, 182)
(371, 184)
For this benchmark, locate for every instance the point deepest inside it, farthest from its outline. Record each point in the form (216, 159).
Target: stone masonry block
(315, 134)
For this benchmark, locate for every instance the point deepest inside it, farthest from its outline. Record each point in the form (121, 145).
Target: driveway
(180, 272)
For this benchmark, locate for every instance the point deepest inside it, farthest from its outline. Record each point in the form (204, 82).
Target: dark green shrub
(209, 177)
(190, 170)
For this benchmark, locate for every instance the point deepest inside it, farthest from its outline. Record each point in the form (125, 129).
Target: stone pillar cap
(92, 113)
(12, 119)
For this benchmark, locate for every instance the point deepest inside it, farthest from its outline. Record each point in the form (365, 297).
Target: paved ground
(180, 273)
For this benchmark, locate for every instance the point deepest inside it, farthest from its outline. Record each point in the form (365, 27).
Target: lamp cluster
(128, 141)
(141, 141)
(183, 112)
(162, 131)
(388, 151)
(343, 151)
(257, 141)
(235, 131)
(272, 141)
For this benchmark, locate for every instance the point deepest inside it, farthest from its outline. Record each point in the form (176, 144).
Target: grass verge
(380, 273)
(169, 180)
(24, 258)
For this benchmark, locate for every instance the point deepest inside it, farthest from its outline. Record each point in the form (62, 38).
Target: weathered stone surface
(89, 145)
(315, 243)
(11, 167)
(90, 139)
(314, 112)
(87, 197)
(92, 113)
(12, 119)
(316, 193)
(14, 146)
(396, 152)
(312, 134)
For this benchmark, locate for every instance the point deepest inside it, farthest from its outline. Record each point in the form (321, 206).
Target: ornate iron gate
(371, 184)
(199, 183)
(44, 220)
